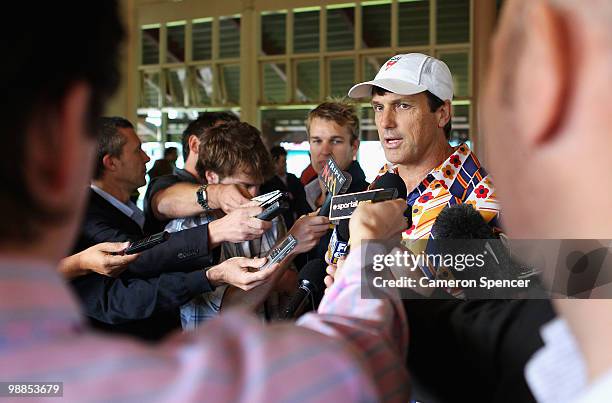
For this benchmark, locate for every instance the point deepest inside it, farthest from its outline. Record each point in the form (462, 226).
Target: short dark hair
(205, 120)
(170, 150)
(342, 113)
(110, 141)
(277, 151)
(233, 146)
(83, 41)
(432, 100)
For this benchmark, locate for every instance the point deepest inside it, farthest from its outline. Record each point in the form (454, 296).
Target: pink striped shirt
(351, 350)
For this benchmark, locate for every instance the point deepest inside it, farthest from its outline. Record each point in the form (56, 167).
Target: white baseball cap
(410, 74)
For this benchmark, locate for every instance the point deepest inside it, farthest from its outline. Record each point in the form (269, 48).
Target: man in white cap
(411, 96)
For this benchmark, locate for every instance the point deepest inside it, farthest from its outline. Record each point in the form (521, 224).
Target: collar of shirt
(599, 391)
(129, 209)
(36, 303)
(556, 372)
(459, 179)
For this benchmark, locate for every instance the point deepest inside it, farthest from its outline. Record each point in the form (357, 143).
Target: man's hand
(333, 272)
(382, 220)
(241, 272)
(308, 229)
(97, 259)
(237, 226)
(227, 197)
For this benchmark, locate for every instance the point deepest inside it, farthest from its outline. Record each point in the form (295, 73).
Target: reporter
(97, 259)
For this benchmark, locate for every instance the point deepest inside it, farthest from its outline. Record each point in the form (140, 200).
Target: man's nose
(387, 120)
(326, 148)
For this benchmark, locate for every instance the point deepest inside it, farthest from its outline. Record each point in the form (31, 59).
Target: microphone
(339, 241)
(310, 286)
(462, 222)
(391, 181)
(324, 211)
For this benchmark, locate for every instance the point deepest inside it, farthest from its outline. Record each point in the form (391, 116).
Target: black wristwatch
(203, 197)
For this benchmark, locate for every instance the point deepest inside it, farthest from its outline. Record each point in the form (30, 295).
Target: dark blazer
(145, 299)
(473, 351)
(297, 197)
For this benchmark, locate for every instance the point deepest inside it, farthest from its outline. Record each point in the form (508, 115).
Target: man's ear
(542, 81)
(194, 144)
(355, 148)
(110, 163)
(443, 114)
(59, 153)
(211, 177)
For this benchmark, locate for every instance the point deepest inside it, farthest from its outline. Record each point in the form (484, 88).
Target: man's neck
(114, 189)
(414, 173)
(586, 319)
(190, 165)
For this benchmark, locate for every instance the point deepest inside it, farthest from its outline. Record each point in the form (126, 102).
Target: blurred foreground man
(350, 351)
(546, 115)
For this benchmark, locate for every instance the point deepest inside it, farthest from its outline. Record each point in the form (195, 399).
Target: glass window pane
(413, 22)
(460, 132)
(341, 76)
(177, 123)
(148, 127)
(150, 46)
(307, 80)
(279, 125)
(202, 85)
(229, 37)
(371, 65)
(175, 87)
(273, 33)
(453, 21)
(306, 31)
(175, 36)
(368, 125)
(230, 84)
(201, 33)
(149, 89)
(376, 32)
(458, 65)
(274, 83)
(341, 28)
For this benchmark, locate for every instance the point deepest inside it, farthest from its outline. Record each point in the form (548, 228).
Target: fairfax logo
(391, 62)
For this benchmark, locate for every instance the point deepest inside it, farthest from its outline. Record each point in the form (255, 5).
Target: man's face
(328, 139)
(247, 181)
(407, 129)
(131, 168)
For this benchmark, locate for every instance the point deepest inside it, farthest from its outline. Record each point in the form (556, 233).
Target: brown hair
(231, 147)
(342, 113)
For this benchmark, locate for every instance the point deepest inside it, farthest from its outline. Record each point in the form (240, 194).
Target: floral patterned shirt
(459, 179)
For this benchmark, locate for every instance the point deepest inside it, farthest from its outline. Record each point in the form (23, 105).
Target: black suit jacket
(473, 351)
(144, 300)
